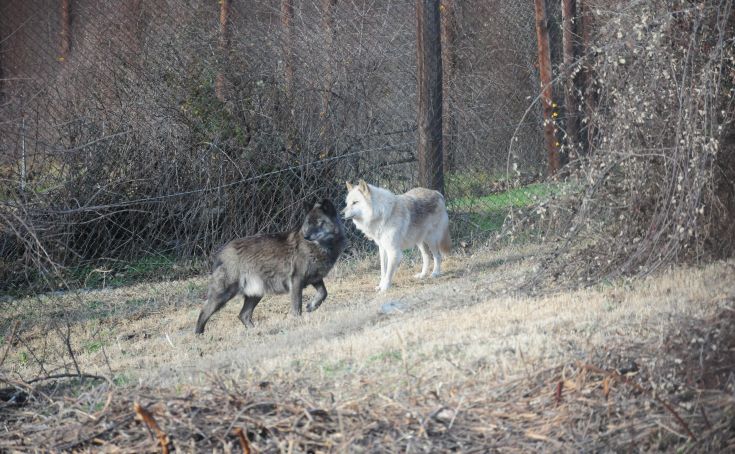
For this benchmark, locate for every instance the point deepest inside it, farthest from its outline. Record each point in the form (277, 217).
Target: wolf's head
(322, 224)
(359, 207)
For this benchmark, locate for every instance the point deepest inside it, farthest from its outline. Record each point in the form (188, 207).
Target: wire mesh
(136, 137)
(136, 129)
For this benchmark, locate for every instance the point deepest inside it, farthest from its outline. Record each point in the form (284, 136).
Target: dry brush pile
(632, 396)
(656, 184)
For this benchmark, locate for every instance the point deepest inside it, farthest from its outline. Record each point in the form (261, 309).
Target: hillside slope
(462, 361)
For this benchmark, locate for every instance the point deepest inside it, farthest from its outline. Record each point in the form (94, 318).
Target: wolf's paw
(436, 274)
(382, 287)
(248, 323)
(420, 275)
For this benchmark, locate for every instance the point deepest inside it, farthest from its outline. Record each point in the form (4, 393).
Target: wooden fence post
(547, 98)
(224, 48)
(428, 31)
(571, 104)
(65, 31)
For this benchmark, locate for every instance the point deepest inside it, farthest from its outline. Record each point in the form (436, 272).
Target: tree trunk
(449, 62)
(428, 30)
(2, 72)
(287, 40)
(587, 77)
(224, 49)
(136, 24)
(287, 14)
(65, 30)
(568, 9)
(328, 7)
(547, 101)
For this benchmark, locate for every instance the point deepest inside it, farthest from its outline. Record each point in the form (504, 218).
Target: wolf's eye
(353, 202)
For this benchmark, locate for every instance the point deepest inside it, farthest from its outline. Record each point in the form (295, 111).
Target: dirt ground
(460, 338)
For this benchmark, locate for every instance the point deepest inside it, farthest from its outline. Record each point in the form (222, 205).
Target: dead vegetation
(466, 366)
(468, 362)
(655, 186)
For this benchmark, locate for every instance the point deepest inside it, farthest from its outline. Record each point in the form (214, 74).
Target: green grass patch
(98, 309)
(193, 290)
(118, 274)
(472, 183)
(489, 221)
(137, 302)
(124, 274)
(93, 346)
(488, 212)
(518, 197)
(122, 380)
(331, 369)
(388, 356)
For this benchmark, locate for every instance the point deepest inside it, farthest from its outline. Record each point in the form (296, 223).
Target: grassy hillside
(467, 363)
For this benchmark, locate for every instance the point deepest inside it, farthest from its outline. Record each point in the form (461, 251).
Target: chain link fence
(137, 136)
(134, 129)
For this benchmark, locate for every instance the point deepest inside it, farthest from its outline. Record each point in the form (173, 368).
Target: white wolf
(398, 222)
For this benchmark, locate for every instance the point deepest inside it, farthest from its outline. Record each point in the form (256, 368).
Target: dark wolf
(277, 263)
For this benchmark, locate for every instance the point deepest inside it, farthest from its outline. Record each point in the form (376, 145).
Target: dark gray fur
(282, 262)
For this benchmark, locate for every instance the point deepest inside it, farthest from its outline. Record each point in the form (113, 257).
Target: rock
(392, 307)
(445, 415)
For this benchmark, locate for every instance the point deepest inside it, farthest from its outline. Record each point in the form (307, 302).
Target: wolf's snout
(314, 235)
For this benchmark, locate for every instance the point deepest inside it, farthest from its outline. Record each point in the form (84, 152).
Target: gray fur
(276, 263)
(423, 203)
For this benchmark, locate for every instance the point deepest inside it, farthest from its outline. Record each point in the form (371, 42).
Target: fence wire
(136, 137)
(135, 129)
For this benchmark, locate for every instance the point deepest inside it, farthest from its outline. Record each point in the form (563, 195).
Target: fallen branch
(147, 417)
(243, 440)
(10, 340)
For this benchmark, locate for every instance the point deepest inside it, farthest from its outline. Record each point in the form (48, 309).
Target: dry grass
(468, 363)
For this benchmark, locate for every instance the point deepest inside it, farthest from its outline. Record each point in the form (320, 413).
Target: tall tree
(547, 98)
(224, 48)
(428, 30)
(287, 41)
(449, 63)
(65, 30)
(587, 81)
(568, 10)
(287, 34)
(135, 10)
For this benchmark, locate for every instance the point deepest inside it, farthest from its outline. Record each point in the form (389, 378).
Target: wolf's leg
(383, 264)
(393, 259)
(215, 301)
(437, 271)
(246, 313)
(296, 294)
(425, 257)
(321, 295)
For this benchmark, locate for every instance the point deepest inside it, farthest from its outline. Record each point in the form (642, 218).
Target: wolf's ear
(308, 205)
(363, 187)
(349, 185)
(328, 208)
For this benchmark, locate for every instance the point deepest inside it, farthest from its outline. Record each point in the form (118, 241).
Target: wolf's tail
(446, 243)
